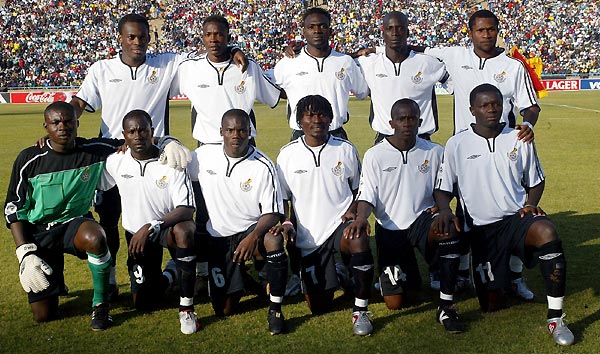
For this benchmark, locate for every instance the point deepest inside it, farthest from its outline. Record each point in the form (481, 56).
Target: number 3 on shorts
(218, 277)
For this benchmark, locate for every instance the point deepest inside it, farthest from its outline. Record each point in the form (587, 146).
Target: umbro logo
(381, 75)
(211, 172)
(114, 81)
(300, 171)
(466, 67)
(203, 86)
(473, 157)
(390, 169)
(127, 176)
(302, 73)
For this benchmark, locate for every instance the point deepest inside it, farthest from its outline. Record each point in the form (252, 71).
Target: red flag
(540, 90)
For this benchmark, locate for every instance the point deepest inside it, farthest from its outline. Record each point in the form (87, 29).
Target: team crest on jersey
(425, 167)
(162, 183)
(417, 79)
(513, 155)
(246, 186)
(500, 78)
(85, 176)
(381, 75)
(153, 78)
(340, 75)
(241, 88)
(337, 170)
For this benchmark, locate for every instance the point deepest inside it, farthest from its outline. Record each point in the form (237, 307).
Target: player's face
(484, 35)
(61, 126)
(395, 31)
(315, 126)
(138, 132)
(236, 136)
(487, 109)
(405, 121)
(134, 39)
(215, 37)
(317, 31)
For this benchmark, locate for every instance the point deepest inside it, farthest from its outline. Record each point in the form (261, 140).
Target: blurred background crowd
(50, 43)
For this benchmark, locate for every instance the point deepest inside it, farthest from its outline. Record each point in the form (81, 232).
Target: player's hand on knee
(357, 228)
(444, 221)
(174, 153)
(33, 270)
(245, 249)
(525, 132)
(533, 209)
(434, 209)
(139, 239)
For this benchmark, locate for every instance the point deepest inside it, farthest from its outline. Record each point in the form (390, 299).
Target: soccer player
(500, 183)
(47, 210)
(158, 208)
(320, 70)
(215, 85)
(319, 176)
(241, 189)
(397, 182)
(397, 73)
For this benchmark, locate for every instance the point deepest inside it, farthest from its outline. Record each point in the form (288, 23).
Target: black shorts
(225, 276)
(493, 244)
(398, 268)
(52, 243)
(108, 206)
(317, 269)
(145, 271)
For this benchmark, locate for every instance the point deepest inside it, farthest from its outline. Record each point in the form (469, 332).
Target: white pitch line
(574, 107)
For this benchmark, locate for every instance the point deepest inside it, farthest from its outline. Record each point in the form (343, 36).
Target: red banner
(561, 85)
(41, 96)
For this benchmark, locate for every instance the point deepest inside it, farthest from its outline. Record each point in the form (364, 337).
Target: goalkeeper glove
(173, 153)
(32, 269)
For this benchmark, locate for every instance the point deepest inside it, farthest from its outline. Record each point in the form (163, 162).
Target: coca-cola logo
(45, 97)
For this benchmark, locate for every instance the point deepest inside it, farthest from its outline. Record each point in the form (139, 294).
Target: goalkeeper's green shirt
(48, 187)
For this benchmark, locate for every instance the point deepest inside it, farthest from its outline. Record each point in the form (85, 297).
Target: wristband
(24, 250)
(528, 124)
(154, 229)
(287, 222)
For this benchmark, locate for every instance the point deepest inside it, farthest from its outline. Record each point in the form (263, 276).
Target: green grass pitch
(567, 138)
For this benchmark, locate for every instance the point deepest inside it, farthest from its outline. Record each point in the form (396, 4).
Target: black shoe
(448, 317)
(101, 320)
(113, 292)
(276, 322)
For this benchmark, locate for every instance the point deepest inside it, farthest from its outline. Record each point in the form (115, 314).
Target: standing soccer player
(397, 183)
(500, 183)
(47, 208)
(397, 73)
(319, 176)
(242, 195)
(158, 209)
(320, 70)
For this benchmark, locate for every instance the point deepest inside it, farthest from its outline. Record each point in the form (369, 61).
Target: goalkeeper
(47, 210)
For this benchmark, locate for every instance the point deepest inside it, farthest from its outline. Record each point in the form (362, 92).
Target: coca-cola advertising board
(41, 96)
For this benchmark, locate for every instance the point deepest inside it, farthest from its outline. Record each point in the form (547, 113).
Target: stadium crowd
(53, 42)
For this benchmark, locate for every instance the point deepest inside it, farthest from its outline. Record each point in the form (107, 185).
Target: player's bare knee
(91, 239)
(360, 244)
(183, 233)
(543, 232)
(273, 242)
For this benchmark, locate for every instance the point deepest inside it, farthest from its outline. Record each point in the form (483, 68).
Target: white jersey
(468, 71)
(399, 184)
(492, 174)
(215, 88)
(332, 77)
(414, 78)
(319, 182)
(237, 191)
(149, 190)
(118, 88)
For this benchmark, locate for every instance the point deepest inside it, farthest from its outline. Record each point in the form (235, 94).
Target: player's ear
(221, 131)
(45, 125)
(390, 121)
(420, 122)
